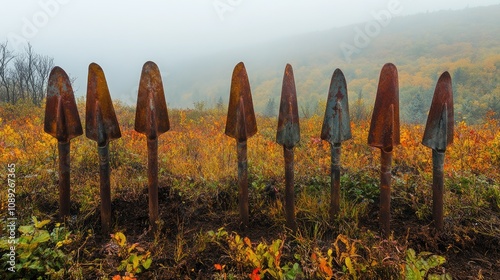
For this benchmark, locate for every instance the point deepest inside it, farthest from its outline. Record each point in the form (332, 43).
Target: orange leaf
(314, 257)
(255, 274)
(324, 267)
(218, 266)
(247, 241)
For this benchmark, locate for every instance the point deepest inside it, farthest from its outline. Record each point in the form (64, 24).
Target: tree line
(24, 75)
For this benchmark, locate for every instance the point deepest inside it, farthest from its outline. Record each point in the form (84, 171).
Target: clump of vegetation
(133, 258)
(198, 194)
(38, 252)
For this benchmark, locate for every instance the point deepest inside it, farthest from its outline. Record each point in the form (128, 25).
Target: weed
(418, 266)
(39, 252)
(134, 259)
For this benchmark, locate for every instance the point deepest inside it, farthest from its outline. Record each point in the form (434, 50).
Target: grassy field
(199, 233)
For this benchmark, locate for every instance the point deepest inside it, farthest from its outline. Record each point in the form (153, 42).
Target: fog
(122, 35)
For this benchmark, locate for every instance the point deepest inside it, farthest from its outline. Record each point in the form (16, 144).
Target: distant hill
(466, 43)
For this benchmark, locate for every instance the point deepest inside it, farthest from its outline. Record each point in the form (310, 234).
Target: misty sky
(122, 35)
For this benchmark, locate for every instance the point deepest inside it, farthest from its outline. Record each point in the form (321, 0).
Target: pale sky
(121, 35)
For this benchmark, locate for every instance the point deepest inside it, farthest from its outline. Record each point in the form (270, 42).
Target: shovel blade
(438, 132)
(241, 123)
(336, 124)
(61, 113)
(101, 124)
(384, 126)
(288, 134)
(151, 116)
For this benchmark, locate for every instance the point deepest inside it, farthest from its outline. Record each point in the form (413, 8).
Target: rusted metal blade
(241, 123)
(384, 127)
(63, 122)
(336, 124)
(437, 136)
(101, 124)
(288, 134)
(61, 113)
(151, 117)
(438, 132)
(384, 134)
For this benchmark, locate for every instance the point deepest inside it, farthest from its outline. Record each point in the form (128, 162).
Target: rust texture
(61, 114)
(105, 188)
(384, 126)
(335, 181)
(64, 179)
(241, 125)
(243, 182)
(385, 193)
(438, 135)
(439, 129)
(101, 126)
(151, 115)
(336, 123)
(291, 222)
(62, 121)
(384, 134)
(288, 135)
(336, 129)
(152, 120)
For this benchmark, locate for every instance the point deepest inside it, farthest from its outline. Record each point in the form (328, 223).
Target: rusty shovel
(438, 135)
(151, 119)
(384, 134)
(241, 125)
(288, 136)
(336, 129)
(101, 126)
(62, 122)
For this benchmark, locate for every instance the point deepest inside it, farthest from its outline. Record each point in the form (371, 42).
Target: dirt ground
(469, 255)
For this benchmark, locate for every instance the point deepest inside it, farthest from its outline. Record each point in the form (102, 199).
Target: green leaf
(436, 260)
(147, 263)
(410, 255)
(123, 265)
(4, 244)
(25, 255)
(350, 267)
(41, 237)
(41, 224)
(26, 229)
(134, 260)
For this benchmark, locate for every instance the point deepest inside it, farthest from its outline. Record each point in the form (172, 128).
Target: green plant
(134, 259)
(38, 253)
(417, 266)
(360, 186)
(265, 260)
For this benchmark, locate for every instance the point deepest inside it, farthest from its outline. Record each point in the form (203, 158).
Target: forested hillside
(465, 43)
